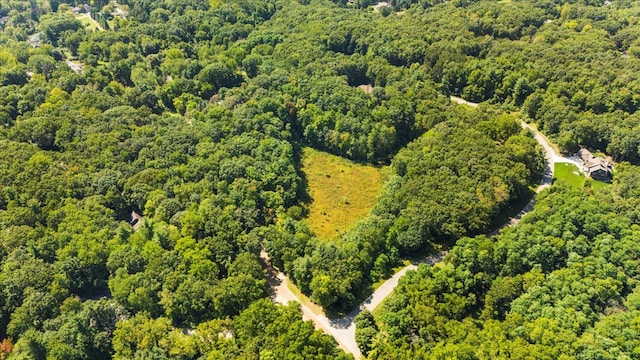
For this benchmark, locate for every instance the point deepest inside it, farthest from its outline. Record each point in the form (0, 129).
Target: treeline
(189, 113)
(571, 66)
(561, 284)
(192, 113)
(74, 172)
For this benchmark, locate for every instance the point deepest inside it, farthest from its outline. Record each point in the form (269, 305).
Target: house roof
(368, 88)
(599, 167)
(584, 155)
(35, 40)
(595, 162)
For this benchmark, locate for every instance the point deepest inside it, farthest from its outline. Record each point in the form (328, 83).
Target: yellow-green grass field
(88, 22)
(570, 174)
(341, 191)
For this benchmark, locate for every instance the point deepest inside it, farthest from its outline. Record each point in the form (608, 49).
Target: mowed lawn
(570, 174)
(88, 22)
(341, 191)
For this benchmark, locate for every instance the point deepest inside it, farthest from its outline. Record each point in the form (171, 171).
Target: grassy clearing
(598, 184)
(570, 174)
(88, 22)
(341, 191)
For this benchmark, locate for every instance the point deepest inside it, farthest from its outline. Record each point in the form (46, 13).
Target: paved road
(547, 177)
(343, 329)
(551, 158)
(542, 140)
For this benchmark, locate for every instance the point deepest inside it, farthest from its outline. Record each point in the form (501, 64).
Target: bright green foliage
(194, 113)
(263, 330)
(82, 330)
(562, 284)
(366, 331)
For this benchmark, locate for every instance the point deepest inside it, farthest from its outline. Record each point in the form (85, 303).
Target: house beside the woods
(596, 168)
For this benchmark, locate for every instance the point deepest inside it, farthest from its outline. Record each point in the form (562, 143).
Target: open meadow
(341, 191)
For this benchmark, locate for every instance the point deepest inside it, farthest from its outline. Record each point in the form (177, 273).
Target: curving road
(343, 329)
(551, 158)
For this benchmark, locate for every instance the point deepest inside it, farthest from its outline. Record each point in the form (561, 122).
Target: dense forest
(562, 284)
(193, 114)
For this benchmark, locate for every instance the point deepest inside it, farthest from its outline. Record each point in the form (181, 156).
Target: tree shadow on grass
(303, 186)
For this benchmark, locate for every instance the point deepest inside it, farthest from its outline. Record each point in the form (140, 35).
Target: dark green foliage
(52, 26)
(569, 270)
(263, 330)
(192, 112)
(366, 331)
(81, 150)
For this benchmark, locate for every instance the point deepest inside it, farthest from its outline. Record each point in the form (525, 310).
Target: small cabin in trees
(136, 219)
(368, 88)
(35, 40)
(596, 168)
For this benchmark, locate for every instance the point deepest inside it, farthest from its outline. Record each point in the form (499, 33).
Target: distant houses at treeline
(84, 9)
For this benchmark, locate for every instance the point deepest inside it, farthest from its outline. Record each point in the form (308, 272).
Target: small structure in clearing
(596, 168)
(74, 65)
(136, 220)
(35, 40)
(380, 5)
(368, 88)
(84, 9)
